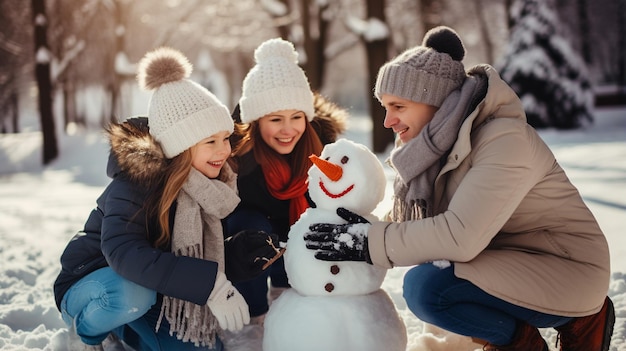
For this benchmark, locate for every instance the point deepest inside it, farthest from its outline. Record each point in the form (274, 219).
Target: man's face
(405, 117)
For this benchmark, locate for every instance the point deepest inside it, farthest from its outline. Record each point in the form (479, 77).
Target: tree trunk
(621, 53)
(69, 105)
(9, 111)
(16, 111)
(583, 17)
(483, 23)
(116, 83)
(44, 84)
(509, 18)
(283, 28)
(314, 42)
(8, 106)
(376, 57)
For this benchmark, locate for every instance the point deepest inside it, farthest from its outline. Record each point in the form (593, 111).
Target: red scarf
(279, 183)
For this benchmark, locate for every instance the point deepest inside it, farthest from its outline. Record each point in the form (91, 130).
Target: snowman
(335, 306)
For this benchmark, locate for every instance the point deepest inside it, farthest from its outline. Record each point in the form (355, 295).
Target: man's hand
(340, 242)
(250, 252)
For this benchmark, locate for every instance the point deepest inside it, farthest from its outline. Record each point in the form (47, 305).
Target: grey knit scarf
(201, 204)
(419, 160)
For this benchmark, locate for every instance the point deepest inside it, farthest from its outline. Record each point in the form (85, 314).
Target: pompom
(445, 40)
(163, 65)
(276, 48)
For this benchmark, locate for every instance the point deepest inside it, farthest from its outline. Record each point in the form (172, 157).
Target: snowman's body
(335, 306)
(340, 323)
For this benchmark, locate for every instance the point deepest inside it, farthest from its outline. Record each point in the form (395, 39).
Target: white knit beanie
(181, 112)
(426, 73)
(275, 83)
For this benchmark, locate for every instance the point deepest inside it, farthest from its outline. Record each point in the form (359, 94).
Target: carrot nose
(331, 170)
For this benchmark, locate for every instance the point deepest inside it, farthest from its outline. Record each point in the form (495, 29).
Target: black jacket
(116, 232)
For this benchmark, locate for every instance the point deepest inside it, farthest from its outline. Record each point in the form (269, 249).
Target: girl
(149, 265)
(283, 123)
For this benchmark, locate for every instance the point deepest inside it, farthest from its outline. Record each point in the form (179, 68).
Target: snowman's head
(349, 175)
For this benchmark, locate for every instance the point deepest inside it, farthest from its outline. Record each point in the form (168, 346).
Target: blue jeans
(103, 302)
(255, 290)
(438, 297)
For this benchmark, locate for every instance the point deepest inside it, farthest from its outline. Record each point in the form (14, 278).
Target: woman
(282, 123)
(478, 187)
(149, 265)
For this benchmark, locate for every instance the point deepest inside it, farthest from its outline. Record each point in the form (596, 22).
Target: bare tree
(377, 49)
(315, 25)
(484, 26)
(583, 17)
(64, 33)
(621, 54)
(44, 84)
(283, 18)
(15, 55)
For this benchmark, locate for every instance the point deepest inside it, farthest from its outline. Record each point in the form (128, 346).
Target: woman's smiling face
(405, 117)
(282, 130)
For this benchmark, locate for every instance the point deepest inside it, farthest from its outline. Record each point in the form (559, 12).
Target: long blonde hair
(161, 196)
(160, 203)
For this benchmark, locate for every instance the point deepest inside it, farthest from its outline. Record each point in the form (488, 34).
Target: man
(478, 187)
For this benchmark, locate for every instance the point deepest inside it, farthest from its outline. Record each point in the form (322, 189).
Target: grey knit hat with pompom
(181, 112)
(275, 83)
(426, 73)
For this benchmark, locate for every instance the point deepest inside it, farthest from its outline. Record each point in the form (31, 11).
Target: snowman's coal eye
(327, 158)
(344, 160)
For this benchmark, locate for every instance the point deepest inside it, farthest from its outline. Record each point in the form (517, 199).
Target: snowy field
(41, 209)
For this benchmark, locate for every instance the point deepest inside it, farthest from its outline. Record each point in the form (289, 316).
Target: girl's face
(405, 117)
(209, 155)
(281, 130)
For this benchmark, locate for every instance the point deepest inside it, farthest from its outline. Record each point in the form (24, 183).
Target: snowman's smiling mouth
(334, 196)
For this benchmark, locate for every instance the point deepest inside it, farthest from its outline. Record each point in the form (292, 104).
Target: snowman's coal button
(334, 269)
(329, 287)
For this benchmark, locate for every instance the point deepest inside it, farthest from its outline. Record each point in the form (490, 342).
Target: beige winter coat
(507, 216)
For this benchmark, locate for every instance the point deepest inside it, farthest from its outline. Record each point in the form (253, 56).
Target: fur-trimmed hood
(329, 120)
(135, 153)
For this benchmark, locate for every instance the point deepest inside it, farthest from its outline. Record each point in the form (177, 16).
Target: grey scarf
(419, 160)
(201, 204)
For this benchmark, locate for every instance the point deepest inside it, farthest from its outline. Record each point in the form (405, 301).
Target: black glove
(248, 253)
(340, 242)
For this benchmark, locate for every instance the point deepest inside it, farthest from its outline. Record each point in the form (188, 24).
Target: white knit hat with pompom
(275, 83)
(181, 112)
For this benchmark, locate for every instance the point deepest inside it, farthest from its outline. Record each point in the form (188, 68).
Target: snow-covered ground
(42, 207)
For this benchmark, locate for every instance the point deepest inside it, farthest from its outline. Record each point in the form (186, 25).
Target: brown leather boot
(527, 338)
(591, 333)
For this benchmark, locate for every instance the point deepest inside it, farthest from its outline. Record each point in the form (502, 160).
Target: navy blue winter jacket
(116, 232)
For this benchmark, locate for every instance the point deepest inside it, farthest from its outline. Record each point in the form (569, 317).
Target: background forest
(70, 58)
(67, 68)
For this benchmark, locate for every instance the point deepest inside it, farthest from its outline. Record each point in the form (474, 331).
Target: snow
(42, 207)
(42, 56)
(371, 29)
(275, 8)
